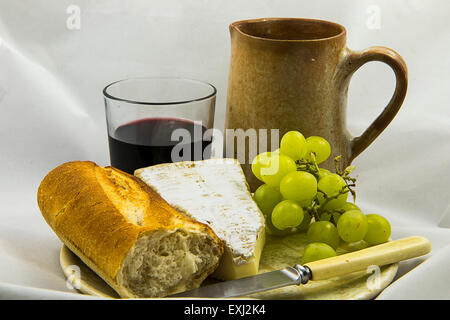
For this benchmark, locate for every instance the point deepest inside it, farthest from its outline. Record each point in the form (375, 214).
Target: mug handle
(351, 62)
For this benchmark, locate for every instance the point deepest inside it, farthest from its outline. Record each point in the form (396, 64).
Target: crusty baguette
(125, 232)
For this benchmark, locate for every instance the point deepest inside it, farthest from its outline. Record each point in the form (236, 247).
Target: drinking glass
(158, 120)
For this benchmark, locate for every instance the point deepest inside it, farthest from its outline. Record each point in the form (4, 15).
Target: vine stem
(316, 208)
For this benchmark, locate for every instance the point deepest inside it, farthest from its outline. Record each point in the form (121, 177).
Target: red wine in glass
(147, 142)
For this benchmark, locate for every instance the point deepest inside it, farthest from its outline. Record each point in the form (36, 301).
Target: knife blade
(248, 285)
(382, 254)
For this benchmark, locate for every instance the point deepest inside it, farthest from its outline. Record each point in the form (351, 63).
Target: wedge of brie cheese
(216, 193)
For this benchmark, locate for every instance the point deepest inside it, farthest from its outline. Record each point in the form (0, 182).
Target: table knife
(379, 255)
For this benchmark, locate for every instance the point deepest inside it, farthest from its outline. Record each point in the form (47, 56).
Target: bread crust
(88, 207)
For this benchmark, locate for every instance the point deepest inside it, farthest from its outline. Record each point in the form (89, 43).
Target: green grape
(323, 173)
(299, 186)
(305, 222)
(349, 206)
(379, 229)
(319, 146)
(293, 144)
(260, 161)
(323, 231)
(332, 185)
(270, 228)
(326, 216)
(352, 226)
(336, 217)
(317, 251)
(353, 246)
(287, 214)
(278, 166)
(305, 203)
(267, 197)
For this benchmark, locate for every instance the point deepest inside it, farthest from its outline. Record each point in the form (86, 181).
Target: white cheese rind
(216, 193)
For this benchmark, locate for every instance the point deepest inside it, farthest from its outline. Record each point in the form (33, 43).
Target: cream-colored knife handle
(379, 255)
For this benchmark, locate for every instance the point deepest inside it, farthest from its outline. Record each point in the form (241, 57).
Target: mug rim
(235, 25)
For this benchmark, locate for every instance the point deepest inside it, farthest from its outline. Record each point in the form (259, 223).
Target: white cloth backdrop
(53, 67)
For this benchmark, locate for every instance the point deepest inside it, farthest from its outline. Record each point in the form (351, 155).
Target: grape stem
(349, 181)
(315, 209)
(344, 190)
(309, 165)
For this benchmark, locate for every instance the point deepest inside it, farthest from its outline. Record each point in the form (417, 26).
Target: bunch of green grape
(299, 196)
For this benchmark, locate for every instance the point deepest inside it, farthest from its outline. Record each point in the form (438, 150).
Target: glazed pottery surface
(293, 74)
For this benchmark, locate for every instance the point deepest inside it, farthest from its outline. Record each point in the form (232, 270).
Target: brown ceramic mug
(293, 74)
